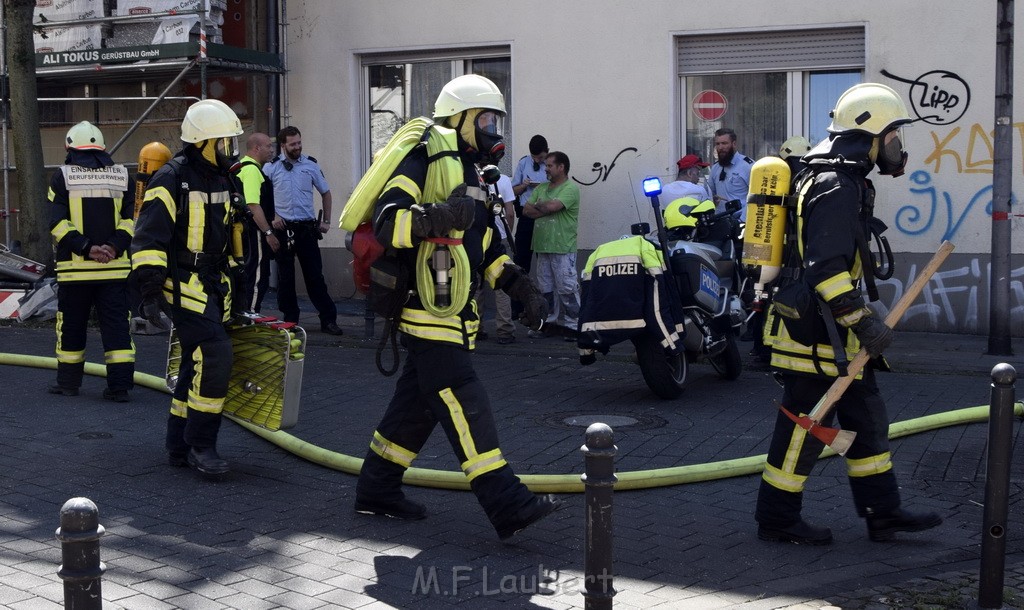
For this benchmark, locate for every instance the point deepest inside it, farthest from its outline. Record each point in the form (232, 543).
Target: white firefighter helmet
(467, 92)
(796, 146)
(870, 108)
(208, 120)
(85, 136)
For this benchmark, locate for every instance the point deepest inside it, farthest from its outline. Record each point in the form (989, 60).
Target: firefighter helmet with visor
(870, 108)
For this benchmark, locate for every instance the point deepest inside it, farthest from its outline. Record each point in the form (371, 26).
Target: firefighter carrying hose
(828, 265)
(182, 259)
(91, 223)
(437, 203)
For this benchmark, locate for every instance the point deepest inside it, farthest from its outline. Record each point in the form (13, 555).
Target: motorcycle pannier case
(697, 280)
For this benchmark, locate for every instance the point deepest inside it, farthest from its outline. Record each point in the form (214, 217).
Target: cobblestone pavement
(279, 531)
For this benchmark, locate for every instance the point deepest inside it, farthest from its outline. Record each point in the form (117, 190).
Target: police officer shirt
(732, 183)
(293, 188)
(524, 170)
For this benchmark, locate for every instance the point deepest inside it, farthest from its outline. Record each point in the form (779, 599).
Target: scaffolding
(166, 64)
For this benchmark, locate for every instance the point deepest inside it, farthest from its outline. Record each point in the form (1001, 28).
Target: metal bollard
(599, 479)
(81, 569)
(997, 487)
(368, 321)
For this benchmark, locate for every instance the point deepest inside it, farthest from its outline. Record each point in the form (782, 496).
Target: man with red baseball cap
(688, 181)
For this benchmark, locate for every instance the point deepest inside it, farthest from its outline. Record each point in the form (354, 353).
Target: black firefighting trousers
(203, 378)
(793, 452)
(438, 385)
(75, 301)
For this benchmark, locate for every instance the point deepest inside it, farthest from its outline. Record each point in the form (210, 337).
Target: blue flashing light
(652, 186)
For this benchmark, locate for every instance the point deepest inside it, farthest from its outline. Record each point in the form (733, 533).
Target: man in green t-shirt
(554, 206)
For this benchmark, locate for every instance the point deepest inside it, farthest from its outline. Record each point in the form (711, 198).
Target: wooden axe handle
(835, 392)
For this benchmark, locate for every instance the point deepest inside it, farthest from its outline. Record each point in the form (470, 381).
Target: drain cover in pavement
(583, 420)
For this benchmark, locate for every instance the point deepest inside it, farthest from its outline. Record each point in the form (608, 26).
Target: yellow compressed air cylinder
(152, 157)
(237, 249)
(765, 233)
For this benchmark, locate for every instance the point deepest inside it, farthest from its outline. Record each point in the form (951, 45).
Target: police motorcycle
(692, 313)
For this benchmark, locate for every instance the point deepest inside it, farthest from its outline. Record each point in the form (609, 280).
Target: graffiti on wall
(960, 151)
(603, 171)
(937, 97)
(953, 299)
(939, 209)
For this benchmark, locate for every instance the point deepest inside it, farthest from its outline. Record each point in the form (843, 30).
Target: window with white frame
(402, 86)
(767, 86)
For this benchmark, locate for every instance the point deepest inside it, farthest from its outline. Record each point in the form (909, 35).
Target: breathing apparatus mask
(485, 134)
(891, 159)
(222, 153)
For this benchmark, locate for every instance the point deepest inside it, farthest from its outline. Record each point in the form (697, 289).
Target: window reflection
(399, 92)
(756, 111)
(823, 89)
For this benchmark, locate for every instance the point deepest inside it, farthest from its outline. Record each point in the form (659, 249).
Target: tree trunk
(33, 217)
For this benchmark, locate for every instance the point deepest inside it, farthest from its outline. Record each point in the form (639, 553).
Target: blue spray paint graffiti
(914, 220)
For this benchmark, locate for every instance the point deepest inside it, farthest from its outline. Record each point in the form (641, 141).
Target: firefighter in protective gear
(426, 204)
(834, 199)
(91, 223)
(180, 255)
(792, 150)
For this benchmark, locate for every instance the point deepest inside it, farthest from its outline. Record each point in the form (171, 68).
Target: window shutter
(810, 49)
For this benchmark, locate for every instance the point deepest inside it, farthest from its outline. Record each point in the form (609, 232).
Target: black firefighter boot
(878, 501)
(883, 527)
(201, 435)
(207, 461)
(69, 379)
(778, 518)
(510, 505)
(379, 491)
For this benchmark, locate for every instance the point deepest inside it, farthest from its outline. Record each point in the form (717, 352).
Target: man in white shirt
(505, 220)
(688, 181)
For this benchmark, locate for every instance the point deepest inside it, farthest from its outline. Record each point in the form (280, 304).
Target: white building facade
(626, 89)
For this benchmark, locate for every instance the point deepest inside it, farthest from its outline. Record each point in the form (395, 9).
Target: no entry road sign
(709, 105)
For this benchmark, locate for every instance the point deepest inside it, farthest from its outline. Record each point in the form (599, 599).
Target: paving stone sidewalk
(279, 531)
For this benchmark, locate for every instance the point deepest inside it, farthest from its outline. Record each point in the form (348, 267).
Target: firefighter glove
(873, 334)
(848, 308)
(436, 220)
(151, 287)
(535, 307)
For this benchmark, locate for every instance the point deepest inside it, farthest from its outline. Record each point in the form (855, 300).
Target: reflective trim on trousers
(390, 451)
(786, 481)
(865, 467)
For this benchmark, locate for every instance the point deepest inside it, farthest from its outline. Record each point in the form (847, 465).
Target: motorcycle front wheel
(665, 375)
(729, 363)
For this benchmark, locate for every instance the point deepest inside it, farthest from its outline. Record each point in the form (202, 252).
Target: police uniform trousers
(524, 253)
(306, 248)
(75, 301)
(203, 378)
(258, 255)
(438, 385)
(793, 452)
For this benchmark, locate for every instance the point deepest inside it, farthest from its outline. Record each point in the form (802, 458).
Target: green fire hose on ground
(540, 483)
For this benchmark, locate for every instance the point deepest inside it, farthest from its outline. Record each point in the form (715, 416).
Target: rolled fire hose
(458, 278)
(540, 483)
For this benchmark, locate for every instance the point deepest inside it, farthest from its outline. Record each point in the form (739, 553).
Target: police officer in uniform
(729, 178)
(438, 383)
(832, 203)
(260, 241)
(180, 255)
(92, 229)
(294, 177)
